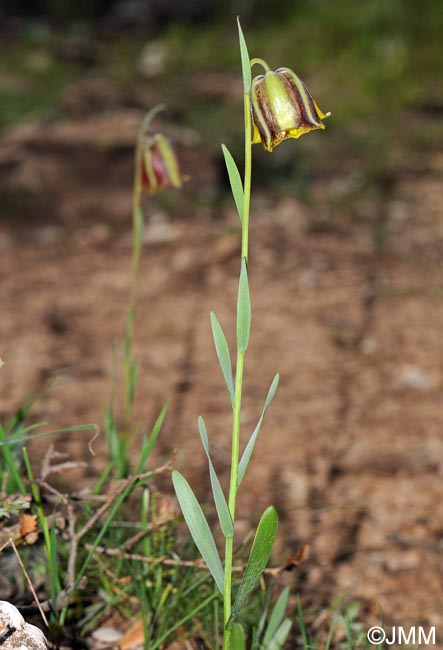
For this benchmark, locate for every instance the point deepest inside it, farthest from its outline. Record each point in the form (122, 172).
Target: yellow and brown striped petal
(282, 107)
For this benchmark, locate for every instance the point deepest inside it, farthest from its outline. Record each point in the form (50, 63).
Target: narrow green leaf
(238, 637)
(10, 464)
(234, 179)
(258, 558)
(224, 516)
(278, 640)
(245, 64)
(149, 443)
(264, 614)
(198, 527)
(304, 634)
(276, 617)
(246, 456)
(224, 358)
(243, 310)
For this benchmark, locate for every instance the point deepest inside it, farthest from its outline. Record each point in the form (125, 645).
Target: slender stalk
(137, 228)
(227, 598)
(137, 220)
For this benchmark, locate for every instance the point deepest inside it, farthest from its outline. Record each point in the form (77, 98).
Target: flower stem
(137, 219)
(227, 598)
(261, 62)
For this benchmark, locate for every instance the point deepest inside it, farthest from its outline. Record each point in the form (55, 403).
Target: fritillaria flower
(159, 166)
(282, 107)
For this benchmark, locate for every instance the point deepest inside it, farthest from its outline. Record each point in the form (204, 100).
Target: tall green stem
(227, 598)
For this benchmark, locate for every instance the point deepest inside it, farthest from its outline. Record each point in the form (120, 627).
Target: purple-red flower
(159, 167)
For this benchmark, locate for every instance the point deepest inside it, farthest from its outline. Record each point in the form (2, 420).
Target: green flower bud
(282, 107)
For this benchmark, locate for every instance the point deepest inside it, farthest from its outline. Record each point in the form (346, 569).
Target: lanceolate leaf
(224, 359)
(238, 637)
(276, 617)
(246, 456)
(243, 310)
(246, 66)
(258, 558)
(198, 527)
(234, 179)
(278, 640)
(224, 515)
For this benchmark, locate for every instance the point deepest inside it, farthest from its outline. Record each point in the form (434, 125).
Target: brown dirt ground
(351, 449)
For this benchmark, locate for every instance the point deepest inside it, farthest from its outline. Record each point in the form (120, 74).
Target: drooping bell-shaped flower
(282, 107)
(159, 167)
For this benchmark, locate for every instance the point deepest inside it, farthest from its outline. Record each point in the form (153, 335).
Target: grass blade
(245, 64)
(198, 527)
(243, 310)
(258, 558)
(246, 456)
(224, 516)
(150, 442)
(224, 358)
(23, 439)
(301, 622)
(14, 479)
(276, 617)
(234, 180)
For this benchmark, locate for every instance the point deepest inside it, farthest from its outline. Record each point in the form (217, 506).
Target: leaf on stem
(276, 617)
(245, 64)
(224, 358)
(224, 516)
(258, 558)
(198, 527)
(234, 179)
(243, 310)
(238, 637)
(246, 456)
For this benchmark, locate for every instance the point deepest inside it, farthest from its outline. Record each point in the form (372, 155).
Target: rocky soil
(351, 450)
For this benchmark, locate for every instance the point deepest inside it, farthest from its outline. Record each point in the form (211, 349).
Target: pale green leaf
(258, 558)
(223, 513)
(243, 310)
(276, 617)
(238, 637)
(245, 64)
(246, 456)
(234, 179)
(278, 640)
(224, 358)
(198, 527)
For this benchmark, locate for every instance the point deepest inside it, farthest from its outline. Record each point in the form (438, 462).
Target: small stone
(15, 634)
(412, 377)
(368, 346)
(107, 635)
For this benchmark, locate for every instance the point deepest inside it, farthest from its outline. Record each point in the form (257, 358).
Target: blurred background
(346, 261)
